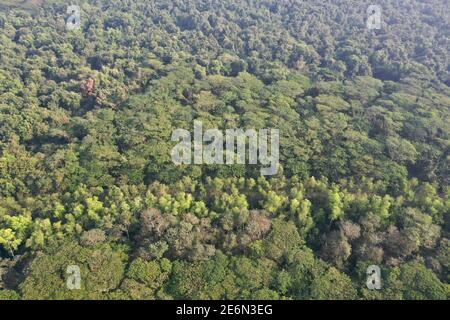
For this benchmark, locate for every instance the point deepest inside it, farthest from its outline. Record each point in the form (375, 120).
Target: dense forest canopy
(86, 176)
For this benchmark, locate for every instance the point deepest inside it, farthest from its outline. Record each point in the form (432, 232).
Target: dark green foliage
(86, 178)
